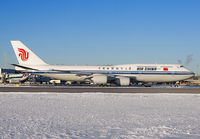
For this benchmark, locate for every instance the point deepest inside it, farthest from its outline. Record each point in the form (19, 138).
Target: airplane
(13, 78)
(122, 75)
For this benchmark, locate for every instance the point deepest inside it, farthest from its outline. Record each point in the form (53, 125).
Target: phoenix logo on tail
(23, 54)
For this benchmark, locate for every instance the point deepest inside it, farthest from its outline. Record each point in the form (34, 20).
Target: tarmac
(81, 89)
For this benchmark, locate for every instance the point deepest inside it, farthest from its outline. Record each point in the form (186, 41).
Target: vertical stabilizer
(25, 56)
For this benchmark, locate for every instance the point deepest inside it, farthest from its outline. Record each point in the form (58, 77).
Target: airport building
(8, 71)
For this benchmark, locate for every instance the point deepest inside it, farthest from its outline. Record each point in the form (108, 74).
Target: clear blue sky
(97, 32)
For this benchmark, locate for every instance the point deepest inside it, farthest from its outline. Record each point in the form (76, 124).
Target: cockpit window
(181, 66)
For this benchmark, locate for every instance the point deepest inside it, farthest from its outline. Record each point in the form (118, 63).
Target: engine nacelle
(99, 79)
(123, 81)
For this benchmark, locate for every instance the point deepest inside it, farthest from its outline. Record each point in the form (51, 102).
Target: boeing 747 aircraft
(118, 74)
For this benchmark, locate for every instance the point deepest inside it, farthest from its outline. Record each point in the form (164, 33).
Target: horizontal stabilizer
(24, 67)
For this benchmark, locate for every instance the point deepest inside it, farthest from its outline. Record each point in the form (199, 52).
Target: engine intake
(99, 79)
(122, 81)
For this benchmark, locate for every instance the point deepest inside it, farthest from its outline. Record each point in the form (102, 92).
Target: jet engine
(99, 79)
(122, 81)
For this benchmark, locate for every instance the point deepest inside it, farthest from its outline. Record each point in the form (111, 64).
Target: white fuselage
(138, 72)
(121, 74)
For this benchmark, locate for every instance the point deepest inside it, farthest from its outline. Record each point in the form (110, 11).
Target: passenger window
(140, 68)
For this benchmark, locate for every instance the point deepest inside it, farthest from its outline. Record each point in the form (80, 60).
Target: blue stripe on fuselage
(117, 72)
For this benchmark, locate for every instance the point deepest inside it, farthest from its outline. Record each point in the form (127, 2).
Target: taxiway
(60, 89)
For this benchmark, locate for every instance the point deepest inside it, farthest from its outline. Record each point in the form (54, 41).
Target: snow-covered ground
(99, 115)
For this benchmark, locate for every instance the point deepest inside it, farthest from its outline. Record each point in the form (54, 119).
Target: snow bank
(33, 115)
